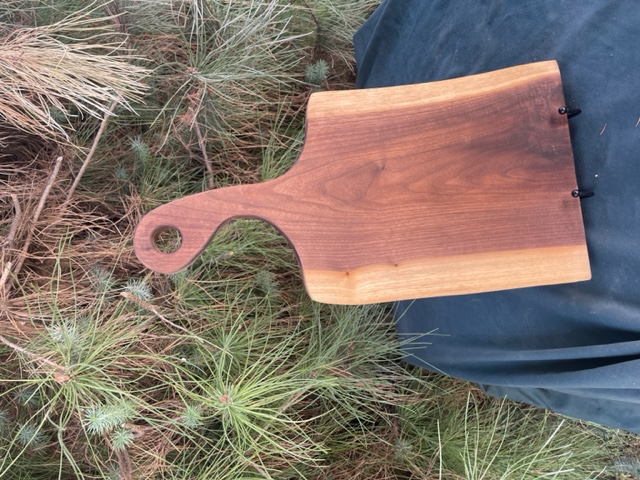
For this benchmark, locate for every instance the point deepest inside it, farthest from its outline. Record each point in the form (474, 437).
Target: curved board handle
(197, 218)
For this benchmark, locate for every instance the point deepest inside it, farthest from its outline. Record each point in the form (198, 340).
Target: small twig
(16, 221)
(154, 310)
(124, 462)
(9, 241)
(35, 356)
(222, 256)
(94, 146)
(36, 216)
(47, 189)
(603, 129)
(5, 276)
(259, 469)
(315, 20)
(114, 11)
(137, 430)
(205, 157)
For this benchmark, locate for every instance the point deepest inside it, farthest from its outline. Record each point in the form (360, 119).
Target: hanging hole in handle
(167, 239)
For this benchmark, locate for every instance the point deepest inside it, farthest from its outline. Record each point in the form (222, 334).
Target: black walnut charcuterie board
(451, 187)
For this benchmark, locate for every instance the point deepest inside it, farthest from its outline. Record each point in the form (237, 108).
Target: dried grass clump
(50, 74)
(51, 244)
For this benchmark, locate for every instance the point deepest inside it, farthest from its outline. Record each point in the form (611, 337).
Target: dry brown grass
(43, 78)
(39, 227)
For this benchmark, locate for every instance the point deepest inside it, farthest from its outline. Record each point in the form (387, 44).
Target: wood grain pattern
(441, 188)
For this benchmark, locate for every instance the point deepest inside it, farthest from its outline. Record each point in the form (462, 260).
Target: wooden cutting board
(444, 188)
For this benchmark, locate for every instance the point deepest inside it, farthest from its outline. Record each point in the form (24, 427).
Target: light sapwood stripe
(453, 275)
(386, 99)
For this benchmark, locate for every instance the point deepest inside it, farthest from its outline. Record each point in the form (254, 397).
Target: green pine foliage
(139, 288)
(30, 435)
(5, 422)
(103, 419)
(122, 438)
(317, 72)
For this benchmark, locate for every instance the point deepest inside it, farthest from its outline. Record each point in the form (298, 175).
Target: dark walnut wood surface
(442, 188)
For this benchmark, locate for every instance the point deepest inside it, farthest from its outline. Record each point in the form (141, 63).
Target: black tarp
(572, 348)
